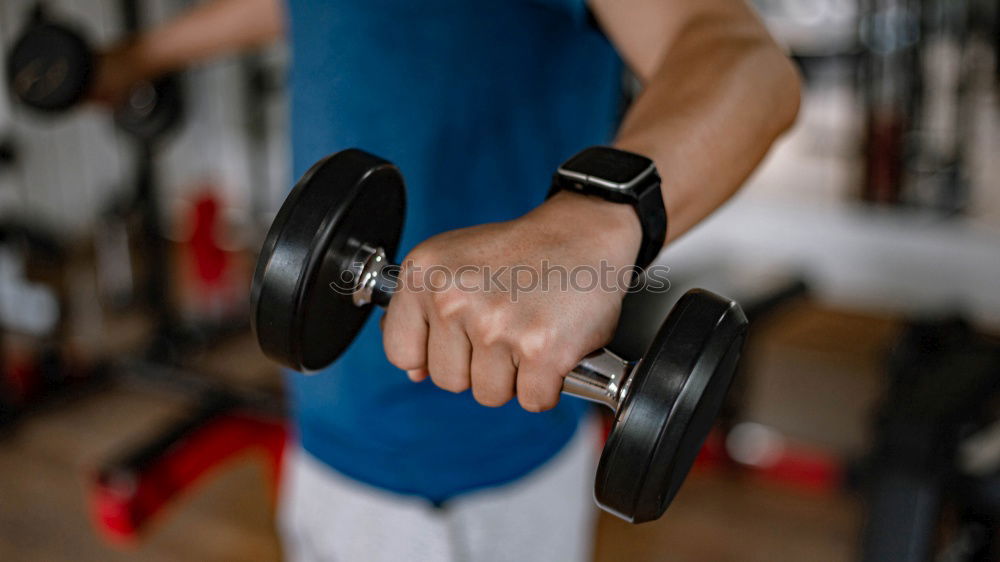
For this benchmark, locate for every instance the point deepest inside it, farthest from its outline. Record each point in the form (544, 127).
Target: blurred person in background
(478, 103)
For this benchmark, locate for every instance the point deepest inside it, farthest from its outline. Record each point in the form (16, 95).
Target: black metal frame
(944, 384)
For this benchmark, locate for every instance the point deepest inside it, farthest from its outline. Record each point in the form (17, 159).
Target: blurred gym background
(138, 420)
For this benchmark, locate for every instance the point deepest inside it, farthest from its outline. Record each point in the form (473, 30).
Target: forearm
(715, 97)
(211, 29)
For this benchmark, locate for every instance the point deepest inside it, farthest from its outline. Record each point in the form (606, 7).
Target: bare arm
(717, 92)
(211, 29)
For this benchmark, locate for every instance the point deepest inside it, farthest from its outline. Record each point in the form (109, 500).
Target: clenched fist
(510, 308)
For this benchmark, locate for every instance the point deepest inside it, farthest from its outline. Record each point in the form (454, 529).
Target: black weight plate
(345, 199)
(675, 394)
(50, 67)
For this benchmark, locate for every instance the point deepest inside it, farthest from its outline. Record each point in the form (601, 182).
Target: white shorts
(547, 515)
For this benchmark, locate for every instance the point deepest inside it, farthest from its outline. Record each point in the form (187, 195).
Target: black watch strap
(622, 177)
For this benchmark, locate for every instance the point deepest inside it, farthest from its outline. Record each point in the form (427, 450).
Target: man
(478, 103)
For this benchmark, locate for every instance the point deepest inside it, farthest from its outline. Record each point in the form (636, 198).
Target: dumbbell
(342, 222)
(51, 68)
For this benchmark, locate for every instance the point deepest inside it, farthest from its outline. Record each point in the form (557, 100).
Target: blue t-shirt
(477, 102)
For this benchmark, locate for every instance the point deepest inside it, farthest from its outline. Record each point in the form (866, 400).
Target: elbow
(776, 83)
(788, 92)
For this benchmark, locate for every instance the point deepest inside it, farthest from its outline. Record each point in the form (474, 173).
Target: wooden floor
(45, 469)
(721, 518)
(47, 463)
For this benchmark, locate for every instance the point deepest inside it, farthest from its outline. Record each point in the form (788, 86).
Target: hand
(472, 310)
(117, 70)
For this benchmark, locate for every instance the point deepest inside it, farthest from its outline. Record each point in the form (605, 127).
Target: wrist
(624, 178)
(615, 227)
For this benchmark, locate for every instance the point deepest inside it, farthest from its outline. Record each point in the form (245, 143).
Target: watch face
(608, 164)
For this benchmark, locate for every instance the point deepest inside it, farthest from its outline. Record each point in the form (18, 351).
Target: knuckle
(602, 335)
(451, 383)
(455, 386)
(402, 347)
(449, 304)
(490, 398)
(489, 328)
(536, 404)
(535, 344)
(418, 268)
(401, 359)
(535, 398)
(549, 402)
(529, 406)
(392, 353)
(563, 359)
(595, 334)
(400, 354)
(422, 255)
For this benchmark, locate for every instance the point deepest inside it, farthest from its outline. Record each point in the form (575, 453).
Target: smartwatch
(621, 177)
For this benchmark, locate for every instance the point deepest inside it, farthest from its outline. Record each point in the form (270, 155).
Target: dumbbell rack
(133, 485)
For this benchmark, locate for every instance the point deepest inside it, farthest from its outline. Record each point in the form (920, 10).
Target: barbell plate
(50, 67)
(348, 198)
(675, 394)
